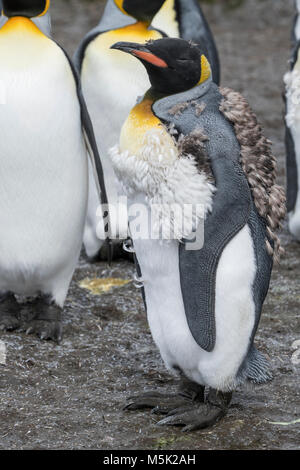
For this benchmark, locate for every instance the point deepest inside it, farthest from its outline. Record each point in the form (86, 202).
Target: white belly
(234, 310)
(294, 216)
(43, 173)
(110, 91)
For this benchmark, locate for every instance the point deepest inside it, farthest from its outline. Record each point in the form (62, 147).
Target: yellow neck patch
(119, 4)
(205, 70)
(46, 8)
(140, 122)
(137, 32)
(20, 24)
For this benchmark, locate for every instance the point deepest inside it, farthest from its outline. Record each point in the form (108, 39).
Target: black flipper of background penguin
(92, 150)
(233, 208)
(194, 26)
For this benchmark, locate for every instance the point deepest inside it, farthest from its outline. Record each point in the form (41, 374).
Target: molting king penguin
(188, 142)
(45, 132)
(43, 22)
(110, 94)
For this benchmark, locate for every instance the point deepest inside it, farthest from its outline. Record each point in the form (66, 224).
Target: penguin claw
(46, 330)
(9, 313)
(201, 417)
(159, 403)
(9, 323)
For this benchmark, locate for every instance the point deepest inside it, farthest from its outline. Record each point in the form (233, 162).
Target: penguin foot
(45, 321)
(201, 415)
(160, 403)
(9, 313)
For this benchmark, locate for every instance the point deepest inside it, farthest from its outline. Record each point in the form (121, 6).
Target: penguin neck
(139, 123)
(20, 25)
(139, 27)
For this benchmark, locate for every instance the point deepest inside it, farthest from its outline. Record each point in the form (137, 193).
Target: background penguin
(44, 171)
(43, 22)
(184, 139)
(296, 25)
(109, 94)
(292, 141)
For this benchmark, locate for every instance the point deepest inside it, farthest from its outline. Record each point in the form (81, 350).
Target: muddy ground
(70, 396)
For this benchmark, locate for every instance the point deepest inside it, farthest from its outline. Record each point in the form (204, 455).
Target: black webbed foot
(201, 415)
(44, 320)
(9, 312)
(164, 403)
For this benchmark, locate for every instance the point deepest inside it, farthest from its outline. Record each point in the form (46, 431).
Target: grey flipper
(193, 26)
(231, 206)
(255, 367)
(112, 18)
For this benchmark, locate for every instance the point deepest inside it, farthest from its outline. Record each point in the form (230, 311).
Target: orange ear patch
(151, 58)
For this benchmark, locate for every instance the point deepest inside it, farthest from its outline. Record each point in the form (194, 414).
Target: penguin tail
(255, 368)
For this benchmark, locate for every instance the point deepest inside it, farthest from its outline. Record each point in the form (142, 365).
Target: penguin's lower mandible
(205, 273)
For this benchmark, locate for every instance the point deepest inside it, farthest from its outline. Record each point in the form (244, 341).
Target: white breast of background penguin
(166, 19)
(292, 83)
(152, 172)
(297, 24)
(43, 163)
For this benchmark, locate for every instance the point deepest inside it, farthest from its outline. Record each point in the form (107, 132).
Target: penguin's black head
(142, 10)
(173, 65)
(27, 8)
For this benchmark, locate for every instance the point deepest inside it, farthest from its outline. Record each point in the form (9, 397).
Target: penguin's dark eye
(183, 60)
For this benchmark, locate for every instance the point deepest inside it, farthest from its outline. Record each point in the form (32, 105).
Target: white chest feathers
(169, 182)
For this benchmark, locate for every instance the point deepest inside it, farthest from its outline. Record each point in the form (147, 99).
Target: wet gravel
(70, 396)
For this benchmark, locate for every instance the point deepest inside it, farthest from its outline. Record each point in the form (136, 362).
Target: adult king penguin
(44, 171)
(109, 94)
(188, 142)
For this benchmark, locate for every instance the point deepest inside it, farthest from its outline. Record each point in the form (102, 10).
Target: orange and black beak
(141, 52)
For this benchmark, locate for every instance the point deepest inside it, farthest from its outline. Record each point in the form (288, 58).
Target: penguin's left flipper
(201, 415)
(44, 319)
